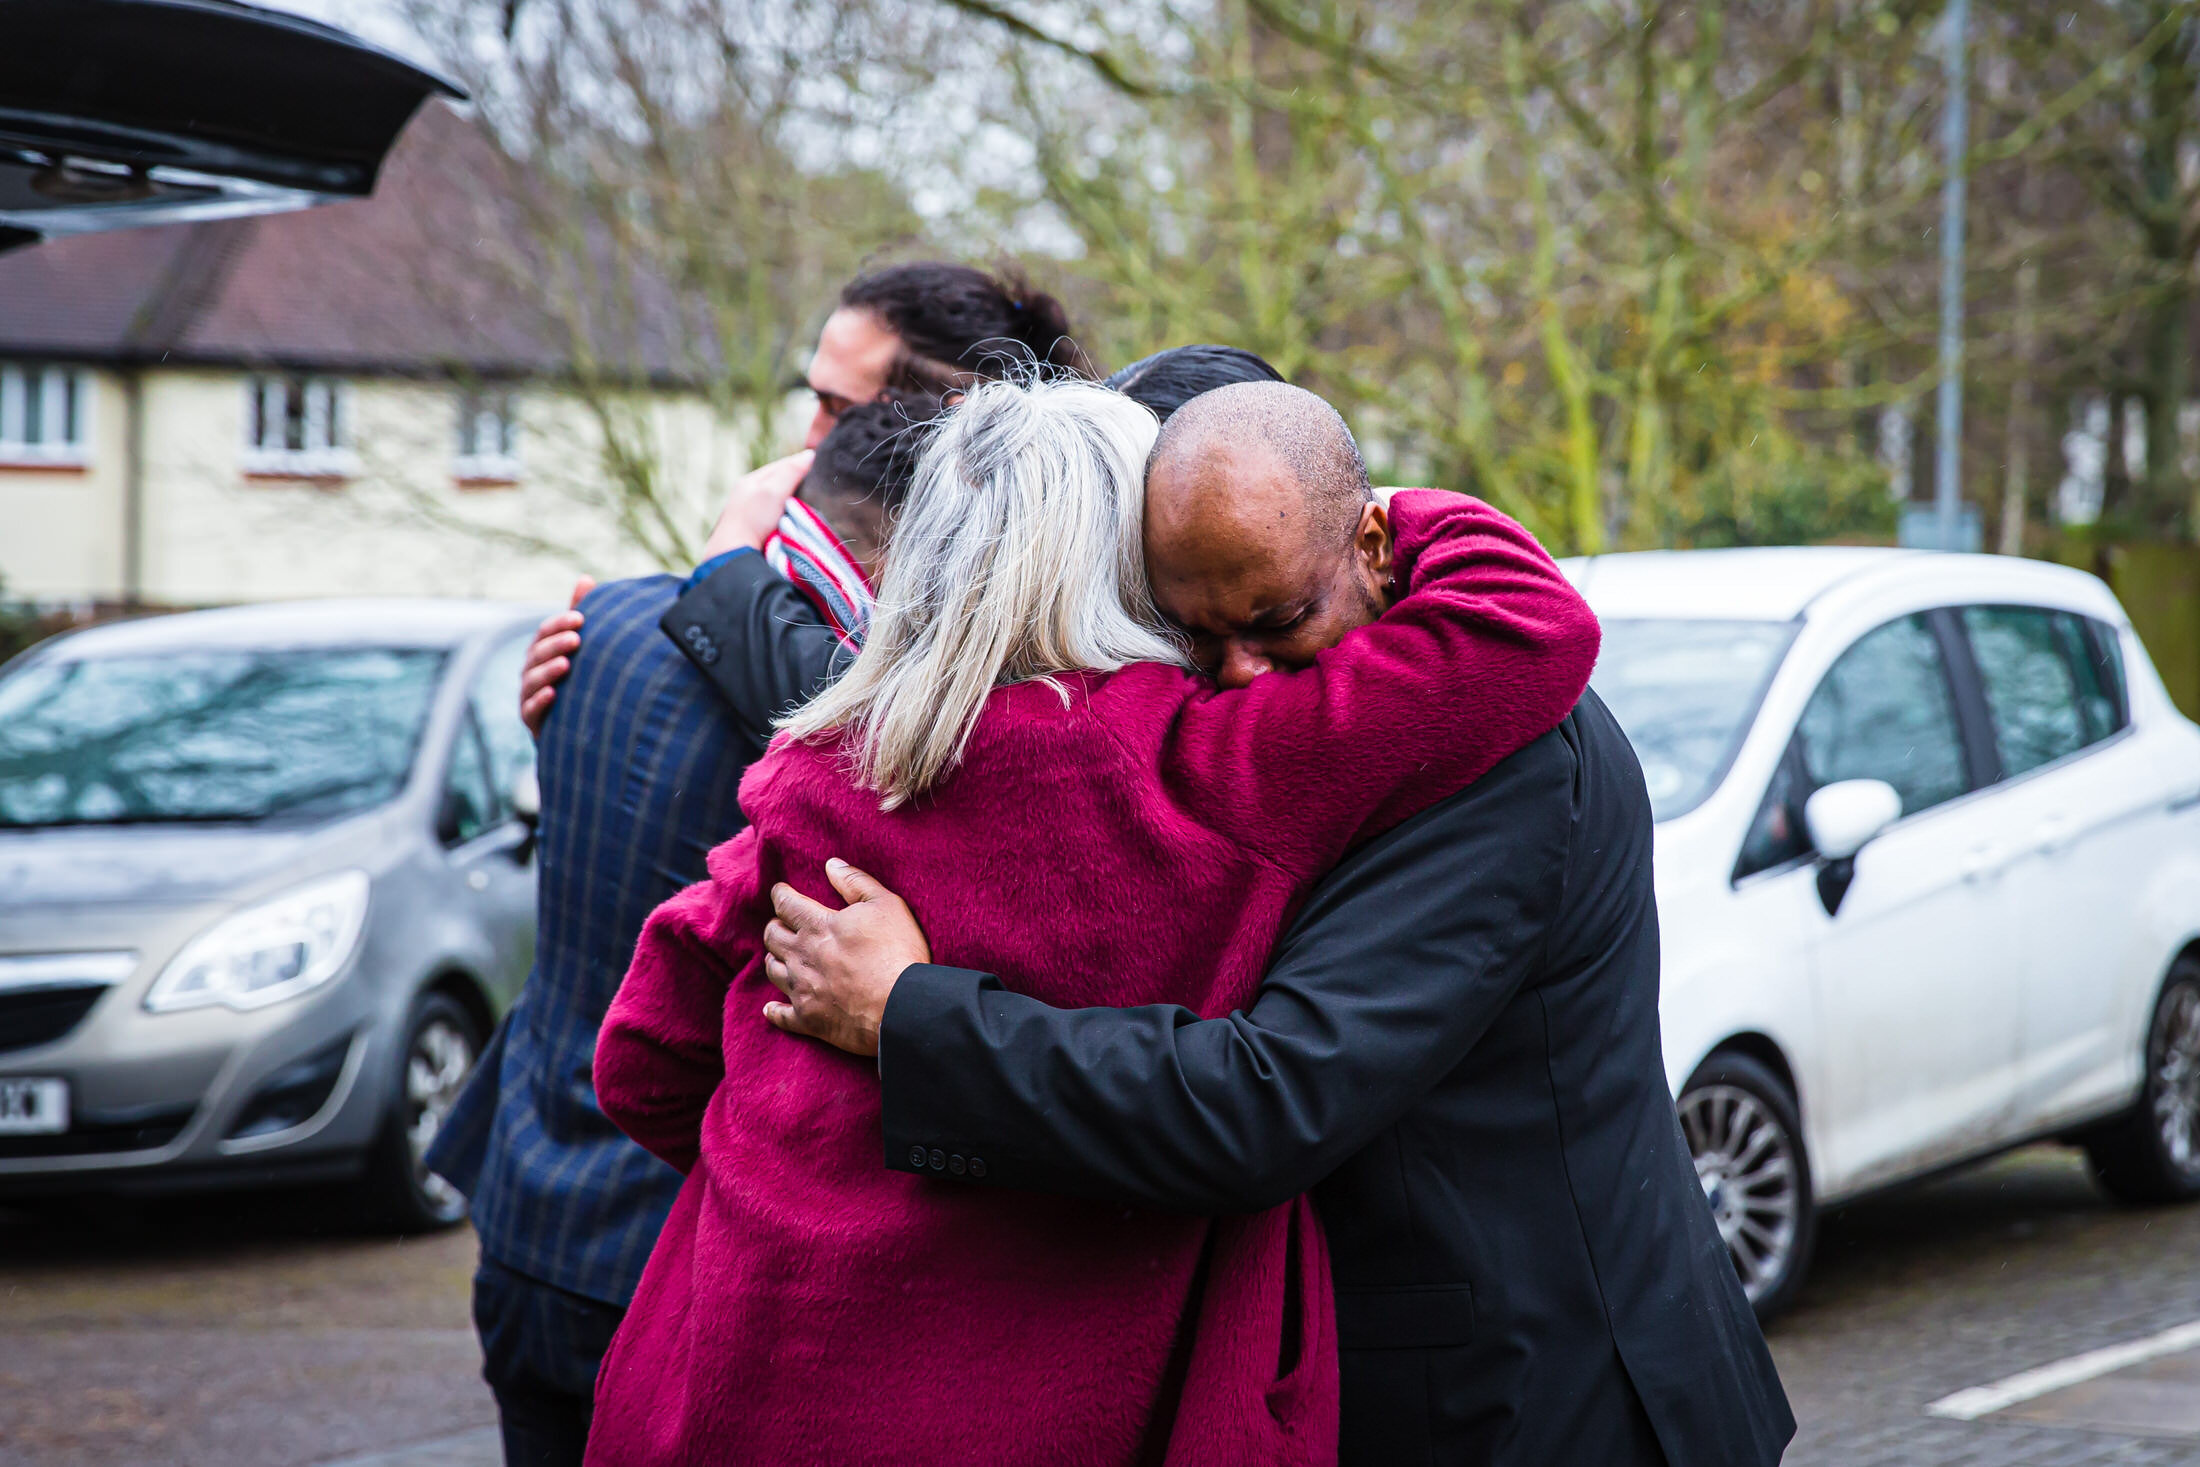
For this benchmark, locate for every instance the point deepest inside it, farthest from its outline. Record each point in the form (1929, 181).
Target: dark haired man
(955, 324)
(639, 779)
(919, 330)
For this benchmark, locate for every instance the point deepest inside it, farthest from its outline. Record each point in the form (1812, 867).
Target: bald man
(1264, 542)
(1456, 1048)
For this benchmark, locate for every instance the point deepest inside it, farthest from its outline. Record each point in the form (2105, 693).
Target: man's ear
(1373, 541)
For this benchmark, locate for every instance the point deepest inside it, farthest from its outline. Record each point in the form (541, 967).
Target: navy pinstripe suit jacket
(640, 764)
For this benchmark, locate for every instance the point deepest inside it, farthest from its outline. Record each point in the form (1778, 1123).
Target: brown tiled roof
(418, 279)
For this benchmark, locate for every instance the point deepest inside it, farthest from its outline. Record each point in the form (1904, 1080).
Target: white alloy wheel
(1742, 1132)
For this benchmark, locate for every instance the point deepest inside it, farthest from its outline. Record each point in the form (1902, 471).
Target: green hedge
(2160, 588)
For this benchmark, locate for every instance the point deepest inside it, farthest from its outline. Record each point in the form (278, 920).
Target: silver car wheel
(2177, 1080)
(442, 1056)
(1746, 1162)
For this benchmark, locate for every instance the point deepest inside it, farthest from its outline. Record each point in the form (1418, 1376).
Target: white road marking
(1970, 1405)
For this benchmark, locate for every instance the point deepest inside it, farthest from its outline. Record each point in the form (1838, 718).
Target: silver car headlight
(266, 953)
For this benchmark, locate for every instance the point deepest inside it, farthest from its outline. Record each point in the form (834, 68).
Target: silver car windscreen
(233, 734)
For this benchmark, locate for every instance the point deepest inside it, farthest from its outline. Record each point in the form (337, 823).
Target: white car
(1928, 872)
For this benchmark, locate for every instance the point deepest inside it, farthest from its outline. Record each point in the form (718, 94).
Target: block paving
(253, 1335)
(1967, 1281)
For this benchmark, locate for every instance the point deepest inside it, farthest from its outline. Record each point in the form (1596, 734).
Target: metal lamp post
(1955, 131)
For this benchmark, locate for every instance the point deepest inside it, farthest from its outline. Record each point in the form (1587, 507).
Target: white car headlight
(269, 952)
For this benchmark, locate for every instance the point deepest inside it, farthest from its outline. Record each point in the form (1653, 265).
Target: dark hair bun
(957, 323)
(1045, 323)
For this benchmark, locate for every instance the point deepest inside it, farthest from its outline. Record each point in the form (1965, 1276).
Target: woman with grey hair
(1021, 722)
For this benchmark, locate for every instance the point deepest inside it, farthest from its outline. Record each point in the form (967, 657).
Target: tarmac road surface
(238, 1332)
(246, 1332)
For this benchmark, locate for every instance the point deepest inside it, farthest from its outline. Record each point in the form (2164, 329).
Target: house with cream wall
(348, 401)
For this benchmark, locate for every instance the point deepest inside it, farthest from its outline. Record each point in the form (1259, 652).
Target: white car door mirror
(525, 797)
(1842, 818)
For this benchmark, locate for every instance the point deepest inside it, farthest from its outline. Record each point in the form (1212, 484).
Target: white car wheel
(2152, 1153)
(1742, 1130)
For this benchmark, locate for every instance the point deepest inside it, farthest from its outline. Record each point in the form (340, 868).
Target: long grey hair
(1018, 556)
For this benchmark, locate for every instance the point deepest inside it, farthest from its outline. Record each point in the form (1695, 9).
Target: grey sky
(941, 164)
(377, 20)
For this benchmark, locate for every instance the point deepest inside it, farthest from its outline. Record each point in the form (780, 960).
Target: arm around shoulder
(1487, 649)
(1400, 962)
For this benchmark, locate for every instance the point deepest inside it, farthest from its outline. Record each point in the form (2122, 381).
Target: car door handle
(1979, 863)
(2054, 834)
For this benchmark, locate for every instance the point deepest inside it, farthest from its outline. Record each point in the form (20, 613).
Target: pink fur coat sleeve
(660, 1053)
(1487, 650)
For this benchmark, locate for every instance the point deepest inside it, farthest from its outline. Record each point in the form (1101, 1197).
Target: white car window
(1884, 712)
(1686, 692)
(470, 803)
(2031, 685)
(2105, 655)
(2092, 650)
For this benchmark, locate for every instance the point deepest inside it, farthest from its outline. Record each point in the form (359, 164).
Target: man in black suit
(1456, 1049)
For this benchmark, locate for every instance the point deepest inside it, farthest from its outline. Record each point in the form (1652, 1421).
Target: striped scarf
(808, 553)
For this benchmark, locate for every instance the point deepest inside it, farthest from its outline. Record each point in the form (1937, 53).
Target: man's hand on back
(753, 508)
(752, 512)
(837, 968)
(550, 658)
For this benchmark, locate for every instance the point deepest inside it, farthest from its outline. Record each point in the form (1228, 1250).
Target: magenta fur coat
(1141, 840)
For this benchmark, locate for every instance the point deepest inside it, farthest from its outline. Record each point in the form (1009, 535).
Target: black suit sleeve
(759, 641)
(1399, 963)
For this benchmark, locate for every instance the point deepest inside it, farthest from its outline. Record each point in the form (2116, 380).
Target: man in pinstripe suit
(639, 773)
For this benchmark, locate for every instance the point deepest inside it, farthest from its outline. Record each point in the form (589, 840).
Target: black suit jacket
(1457, 1050)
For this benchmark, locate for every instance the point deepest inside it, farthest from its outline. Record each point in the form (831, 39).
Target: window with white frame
(45, 415)
(488, 437)
(296, 425)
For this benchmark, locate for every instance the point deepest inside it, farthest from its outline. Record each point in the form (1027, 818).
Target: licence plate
(34, 1107)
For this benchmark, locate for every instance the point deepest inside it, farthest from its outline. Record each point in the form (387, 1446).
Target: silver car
(266, 884)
